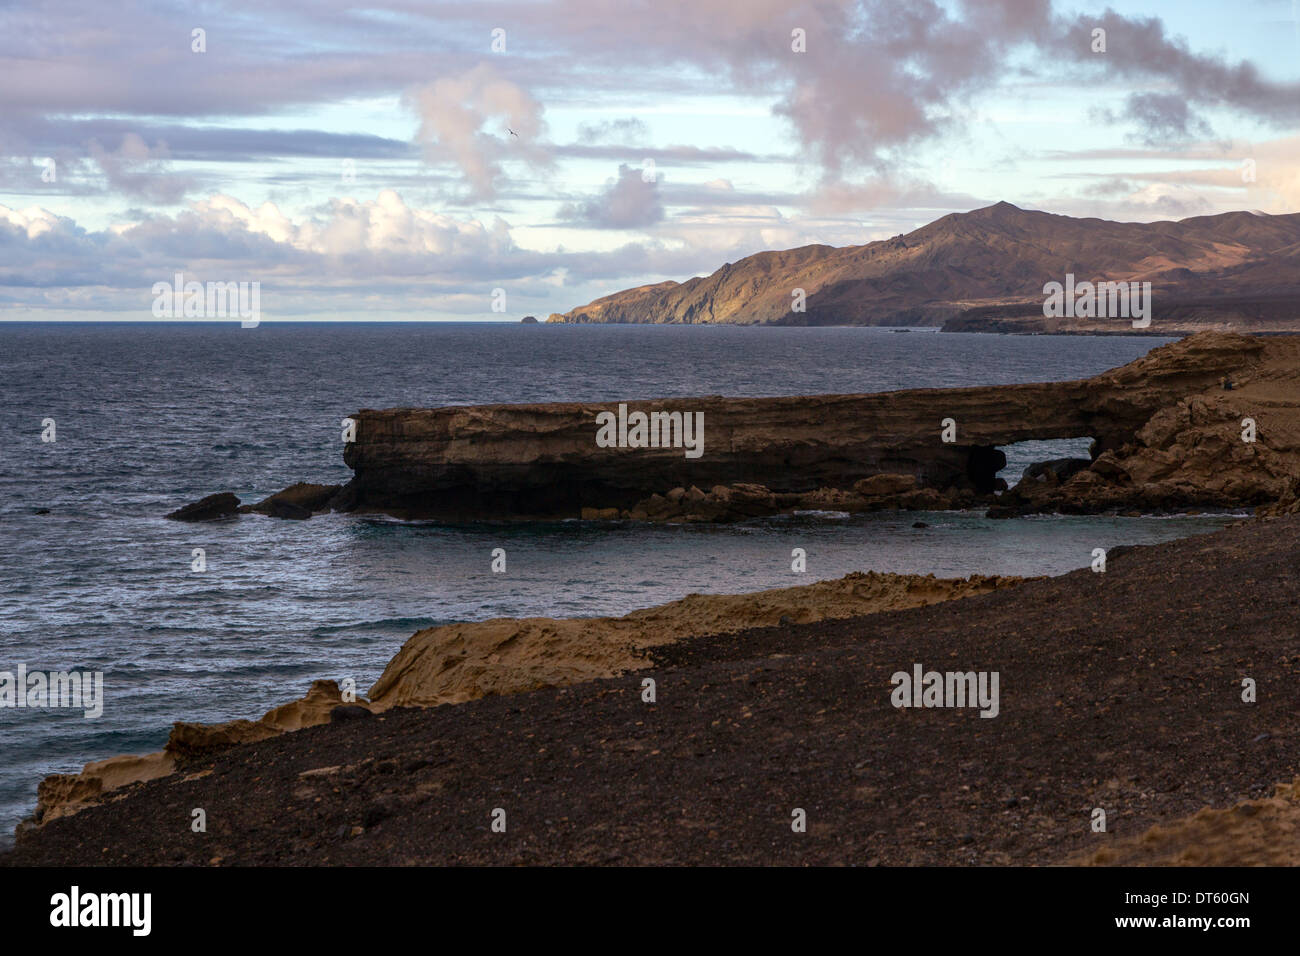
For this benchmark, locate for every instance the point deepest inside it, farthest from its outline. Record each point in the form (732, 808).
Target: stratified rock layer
(1167, 435)
(64, 794)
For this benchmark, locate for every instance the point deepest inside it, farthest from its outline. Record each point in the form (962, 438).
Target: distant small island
(529, 320)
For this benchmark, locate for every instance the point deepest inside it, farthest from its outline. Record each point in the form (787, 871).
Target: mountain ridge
(995, 256)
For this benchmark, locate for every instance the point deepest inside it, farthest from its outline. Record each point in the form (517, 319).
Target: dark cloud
(1139, 50)
(669, 155)
(1164, 119)
(1108, 187)
(42, 136)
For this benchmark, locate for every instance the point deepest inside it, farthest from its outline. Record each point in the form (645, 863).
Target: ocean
(150, 416)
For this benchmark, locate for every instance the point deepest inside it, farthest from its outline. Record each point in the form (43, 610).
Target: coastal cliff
(1209, 421)
(1166, 431)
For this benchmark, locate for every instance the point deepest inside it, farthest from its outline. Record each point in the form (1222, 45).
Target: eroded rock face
(1161, 421)
(463, 661)
(63, 794)
(1166, 430)
(542, 461)
(727, 503)
(1194, 452)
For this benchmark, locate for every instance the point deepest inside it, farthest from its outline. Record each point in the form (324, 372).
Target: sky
(489, 160)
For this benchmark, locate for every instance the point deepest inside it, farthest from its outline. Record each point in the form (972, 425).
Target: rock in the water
(1002, 511)
(297, 501)
(287, 509)
(221, 505)
(42, 511)
(1057, 469)
(529, 320)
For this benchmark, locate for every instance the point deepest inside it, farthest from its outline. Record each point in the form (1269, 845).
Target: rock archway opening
(1044, 459)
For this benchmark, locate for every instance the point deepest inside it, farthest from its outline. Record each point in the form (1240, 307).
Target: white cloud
(453, 112)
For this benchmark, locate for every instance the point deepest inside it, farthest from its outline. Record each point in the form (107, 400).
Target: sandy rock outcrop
(460, 662)
(61, 794)
(1235, 443)
(1252, 833)
(188, 740)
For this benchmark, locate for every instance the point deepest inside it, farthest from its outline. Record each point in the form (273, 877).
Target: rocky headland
(1210, 421)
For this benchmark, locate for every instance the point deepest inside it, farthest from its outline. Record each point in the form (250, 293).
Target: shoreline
(462, 661)
(1164, 427)
(1098, 709)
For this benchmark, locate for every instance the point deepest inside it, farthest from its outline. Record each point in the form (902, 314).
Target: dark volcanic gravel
(1119, 690)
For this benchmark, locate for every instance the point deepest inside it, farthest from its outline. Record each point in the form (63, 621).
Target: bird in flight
(512, 132)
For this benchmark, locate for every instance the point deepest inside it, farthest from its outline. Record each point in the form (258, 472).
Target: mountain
(991, 264)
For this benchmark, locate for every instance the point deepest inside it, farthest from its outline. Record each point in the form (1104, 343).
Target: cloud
(675, 155)
(1164, 119)
(373, 255)
(346, 237)
(136, 169)
(623, 132)
(878, 76)
(223, 143)
(1174, 202)
(1139, 49)
(629, 202)
(453, 112)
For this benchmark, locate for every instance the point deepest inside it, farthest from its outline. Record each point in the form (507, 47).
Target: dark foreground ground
(1119, 690)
